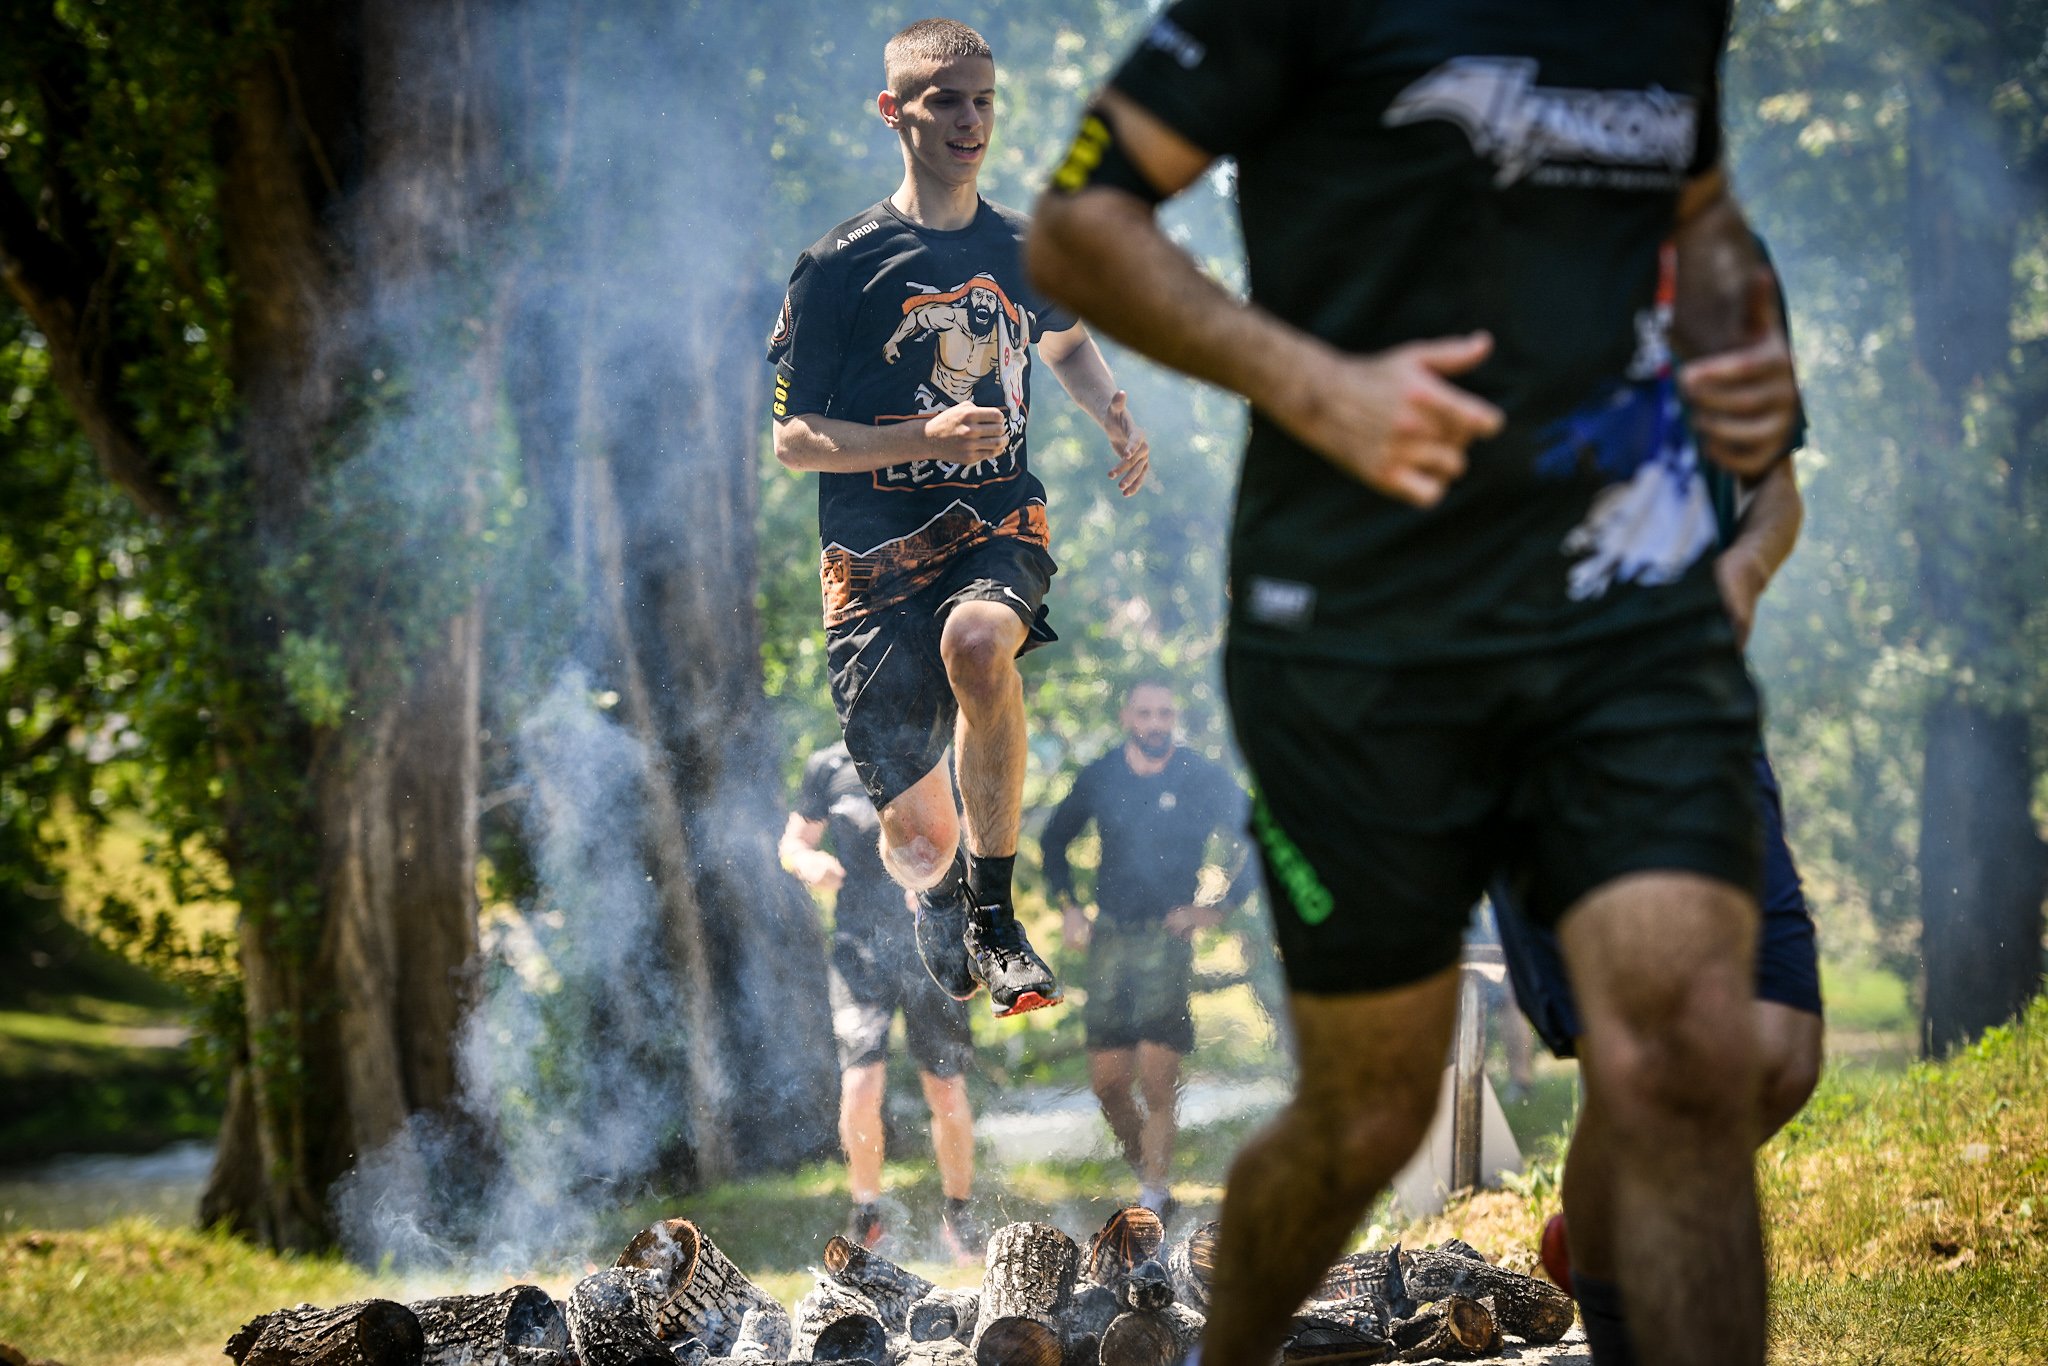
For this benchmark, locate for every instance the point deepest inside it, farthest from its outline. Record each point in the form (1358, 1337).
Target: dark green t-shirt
(1420, 169)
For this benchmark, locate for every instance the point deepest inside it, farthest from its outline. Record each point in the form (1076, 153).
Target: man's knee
(979, 648)
(1789, 1045)
(1363, 1137)
(1685, 1052)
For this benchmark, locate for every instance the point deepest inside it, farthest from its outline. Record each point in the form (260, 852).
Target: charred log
(1193, 1266)
(1029, 1274)
(1146, 1288)
(945, 1314)
(1353, 1330)
(764, 1334)
(837, 1323)
(1162, 1339)
(1454, 1327)
(1083, 1320)
(705, 1295)
(887, 1286)
(368, 1333)
(1130, 1236)
(475, 1330)
(608, 1319)
(1534, 1310)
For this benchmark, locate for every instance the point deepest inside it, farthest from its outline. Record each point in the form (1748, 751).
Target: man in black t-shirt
(1474, 625)
(874, 973)
(903, 378)
(1154, 805)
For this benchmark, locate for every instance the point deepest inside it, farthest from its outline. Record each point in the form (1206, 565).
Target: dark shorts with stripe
(1787, 952)
(1138, 979)
(1390, 796)
(889, 682)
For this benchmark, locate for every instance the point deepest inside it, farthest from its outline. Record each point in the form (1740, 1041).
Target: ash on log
(1030, 1268)
(945, 1314)
(707, 1297)
(367, 1333)
(763, 1335)
(837, 1323)
(938, 1352)
(1531, 1309)
(1161, 1339)
(1083, 1319)
(476, 1330)
(608, 1319)
(1192, 1264)
(887, 1286)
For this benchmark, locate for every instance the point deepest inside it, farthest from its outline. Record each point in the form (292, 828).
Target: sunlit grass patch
(135, 1292)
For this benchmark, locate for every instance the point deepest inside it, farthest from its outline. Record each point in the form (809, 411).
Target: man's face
(947, 119)
(1148, 718)
(982, 305)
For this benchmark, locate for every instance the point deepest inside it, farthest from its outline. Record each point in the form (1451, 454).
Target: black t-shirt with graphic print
(1414, 169)
(1154, 829)
(887, 321)
(870, 903)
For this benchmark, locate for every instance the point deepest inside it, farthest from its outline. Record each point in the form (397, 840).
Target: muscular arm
(1078, 364)
(1763, 540)
(1389, 419)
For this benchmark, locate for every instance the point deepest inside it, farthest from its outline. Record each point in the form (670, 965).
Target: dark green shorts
(1138, 980)
(1388, 796)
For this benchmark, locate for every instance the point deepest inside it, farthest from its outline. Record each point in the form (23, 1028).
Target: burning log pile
(674, 1299)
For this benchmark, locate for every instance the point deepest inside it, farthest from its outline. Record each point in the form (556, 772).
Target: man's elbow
(789, 444)
(1052, 248)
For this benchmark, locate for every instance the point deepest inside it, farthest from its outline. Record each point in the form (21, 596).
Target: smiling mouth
(965, 149)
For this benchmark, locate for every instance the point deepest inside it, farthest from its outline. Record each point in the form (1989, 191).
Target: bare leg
(860, 1130)
(1111, 1073)
(1369, 1075)
(979, 645)
(920, 831)
(1790, 1042)
(1663, 969)
(952, 1132)
(1159, 1082)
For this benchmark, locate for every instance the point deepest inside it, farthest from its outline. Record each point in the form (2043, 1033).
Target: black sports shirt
(1154, 828)
(869, 900)
(887, 321)
(1412, 169)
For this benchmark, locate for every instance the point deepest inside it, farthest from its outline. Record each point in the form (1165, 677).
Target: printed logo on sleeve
(782, 325)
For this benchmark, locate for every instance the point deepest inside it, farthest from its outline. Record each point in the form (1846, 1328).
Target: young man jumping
(903, 378)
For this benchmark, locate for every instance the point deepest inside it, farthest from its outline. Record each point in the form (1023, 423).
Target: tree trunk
(1982, 870)
(1982, 873)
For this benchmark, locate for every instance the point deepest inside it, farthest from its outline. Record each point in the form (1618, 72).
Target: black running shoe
(864, 1225)
(965, 1237)
(941, 941)
(1002, 960)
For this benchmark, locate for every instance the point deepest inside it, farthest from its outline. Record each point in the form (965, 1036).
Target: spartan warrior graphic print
(886, 321)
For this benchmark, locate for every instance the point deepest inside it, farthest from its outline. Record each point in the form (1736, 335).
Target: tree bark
(1982, 868)
(476, 1330)
(1029, 1275)
(369, 1333)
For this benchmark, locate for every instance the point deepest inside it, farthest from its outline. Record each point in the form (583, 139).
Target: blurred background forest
(408, 645)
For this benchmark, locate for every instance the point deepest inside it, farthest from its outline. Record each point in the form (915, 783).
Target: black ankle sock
(956, 1204)
(989, 878)
(1606, 1327)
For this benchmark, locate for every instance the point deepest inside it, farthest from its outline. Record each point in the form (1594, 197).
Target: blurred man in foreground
(1474, 627)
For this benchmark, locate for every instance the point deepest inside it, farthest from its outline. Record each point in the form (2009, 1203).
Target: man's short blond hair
(926, 44)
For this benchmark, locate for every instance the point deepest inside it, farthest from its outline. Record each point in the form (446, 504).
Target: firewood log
(367, 1333)
(1531, 1309)
(1085, 1317)
(1161, 1339)
(890, 1288)
(1029, 1274)
(1455, 1327)
(937, 1352)
(945, 1314)
(1347, 1330)
(1130, 1236)
(516, 1355)
(764, 1334)
(707, 1296)
(688, 1352)
(835, 1322)
(475, 1330)
(1146, 1288)
(608, 1323)
(1192, 1263)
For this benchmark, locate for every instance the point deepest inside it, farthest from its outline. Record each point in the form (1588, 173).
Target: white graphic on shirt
(975, 332)
(1523, 127)
(1651, 527)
